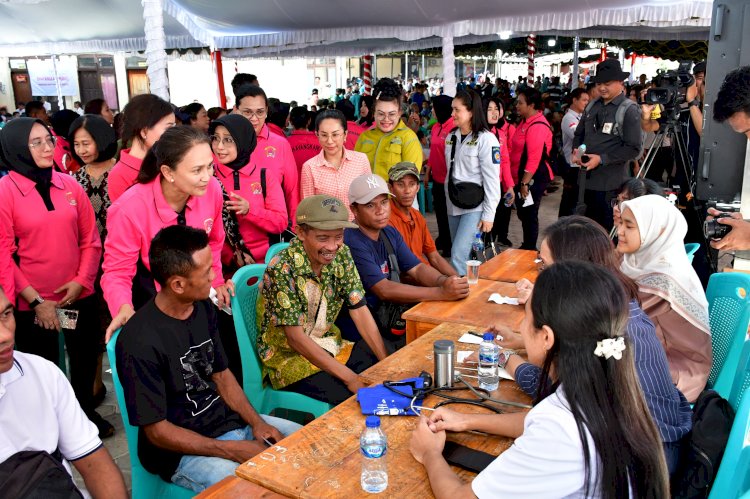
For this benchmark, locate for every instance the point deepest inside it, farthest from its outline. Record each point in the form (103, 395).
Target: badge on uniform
(607, 128)
(496, 155)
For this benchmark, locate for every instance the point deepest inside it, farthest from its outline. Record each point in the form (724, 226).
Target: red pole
(531, 50)
(219, 70)
(367, 74)
(604, 54)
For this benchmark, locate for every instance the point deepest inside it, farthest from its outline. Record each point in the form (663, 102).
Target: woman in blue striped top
(579, 238)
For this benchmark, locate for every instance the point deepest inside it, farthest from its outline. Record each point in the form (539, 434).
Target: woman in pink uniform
(175, 186)
(49, 224)
(260, 210)
(146, 117)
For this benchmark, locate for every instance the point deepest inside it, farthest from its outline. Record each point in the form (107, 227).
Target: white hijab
(661, 266)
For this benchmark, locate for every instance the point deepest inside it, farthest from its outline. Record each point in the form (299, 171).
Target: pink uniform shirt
(134, 220)
(534, 138)
(506, 178)
(274, 153)
(304, 145)
(436, 161)
(353, 131)
(54, 247)
(320, 177)
(266, 215)
(123, 174)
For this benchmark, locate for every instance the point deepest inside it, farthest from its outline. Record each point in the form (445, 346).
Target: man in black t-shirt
(195, 422)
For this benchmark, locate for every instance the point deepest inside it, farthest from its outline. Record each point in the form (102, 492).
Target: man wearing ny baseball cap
(377, 248)
(304, 288)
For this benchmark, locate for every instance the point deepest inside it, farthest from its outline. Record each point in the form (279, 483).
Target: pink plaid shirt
(321, 177)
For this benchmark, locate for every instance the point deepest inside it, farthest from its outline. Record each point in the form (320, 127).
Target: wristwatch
(695, 102)
(504, 357)
(36, 301)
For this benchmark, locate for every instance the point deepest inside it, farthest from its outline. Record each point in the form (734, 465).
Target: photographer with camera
(733, 105)
(678, 95)
(610, 129)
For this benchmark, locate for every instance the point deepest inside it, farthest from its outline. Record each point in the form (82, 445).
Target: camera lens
(712, 229)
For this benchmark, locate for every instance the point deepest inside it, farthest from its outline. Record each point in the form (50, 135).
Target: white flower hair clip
(610, 347)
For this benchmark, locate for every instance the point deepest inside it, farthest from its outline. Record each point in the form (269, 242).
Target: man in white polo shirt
(39, 412)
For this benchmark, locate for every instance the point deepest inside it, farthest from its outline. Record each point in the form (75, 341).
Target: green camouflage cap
(324, 213)
(402, 169)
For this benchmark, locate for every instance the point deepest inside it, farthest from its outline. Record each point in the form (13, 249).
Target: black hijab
(14, 142)
(442, 106)
(243, 134)
(102, 133)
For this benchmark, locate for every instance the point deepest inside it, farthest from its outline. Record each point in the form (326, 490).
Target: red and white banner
(367, 60)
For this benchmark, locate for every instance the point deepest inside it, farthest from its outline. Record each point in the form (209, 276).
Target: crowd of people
(126, 225)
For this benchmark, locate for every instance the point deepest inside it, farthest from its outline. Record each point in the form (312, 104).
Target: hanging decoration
(156, 56)
(367, 60)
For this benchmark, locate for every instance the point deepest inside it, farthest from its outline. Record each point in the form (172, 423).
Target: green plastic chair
(728, 296)
(691, 249)
(264, 398)
(733, 478)
(145, 485)
(274, 249)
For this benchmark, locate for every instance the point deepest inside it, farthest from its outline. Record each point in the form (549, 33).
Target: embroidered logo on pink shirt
(71, 199)
(257, 188)
(208, 224)
(270, 151)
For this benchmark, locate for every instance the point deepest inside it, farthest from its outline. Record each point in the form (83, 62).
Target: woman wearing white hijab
(651, 239)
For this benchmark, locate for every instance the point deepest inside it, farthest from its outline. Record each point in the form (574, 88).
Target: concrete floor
(117, 445)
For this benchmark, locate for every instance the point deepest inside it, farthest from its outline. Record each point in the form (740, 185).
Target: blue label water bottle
(373, 445)
(489, 354)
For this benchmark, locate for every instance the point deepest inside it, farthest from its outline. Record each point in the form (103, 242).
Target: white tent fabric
(331, 27)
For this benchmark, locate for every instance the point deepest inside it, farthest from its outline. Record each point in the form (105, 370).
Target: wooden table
(473, 310)
(233, 486)
(323, 458)
(510, 266)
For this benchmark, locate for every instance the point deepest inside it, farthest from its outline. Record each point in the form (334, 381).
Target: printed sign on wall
(42, 76)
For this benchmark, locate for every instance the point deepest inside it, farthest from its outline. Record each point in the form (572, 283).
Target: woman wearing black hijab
(437, 168)
(47, 219)
(254, 194)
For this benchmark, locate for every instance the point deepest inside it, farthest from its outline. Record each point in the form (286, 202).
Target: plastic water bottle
(373, 445)
(487, 368)
(477, 247)
(508, 199)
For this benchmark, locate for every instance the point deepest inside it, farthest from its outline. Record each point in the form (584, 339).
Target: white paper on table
(502, 300)
(462, 354)
(528, 201)
(470, 338)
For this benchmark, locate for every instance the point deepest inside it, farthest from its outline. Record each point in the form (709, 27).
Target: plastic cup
(472, 271)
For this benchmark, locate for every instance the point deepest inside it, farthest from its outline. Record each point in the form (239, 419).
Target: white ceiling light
(551, 42)
(505, 35)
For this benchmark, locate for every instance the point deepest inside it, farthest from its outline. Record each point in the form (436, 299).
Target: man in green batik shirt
(303, 290)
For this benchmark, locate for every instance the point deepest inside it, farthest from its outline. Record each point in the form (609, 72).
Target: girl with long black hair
(592, 435)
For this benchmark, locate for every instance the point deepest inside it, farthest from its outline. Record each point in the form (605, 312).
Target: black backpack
(36, 475)
(703, 447)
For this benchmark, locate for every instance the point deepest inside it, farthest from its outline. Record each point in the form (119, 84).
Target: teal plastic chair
(421, 199)
(733, 478)
(264, 398)
(145, 485)
(690, 249)
(274, 249)
(728, 296)
(428, 197)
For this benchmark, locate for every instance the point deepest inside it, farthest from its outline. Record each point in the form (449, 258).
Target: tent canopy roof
(331, 27)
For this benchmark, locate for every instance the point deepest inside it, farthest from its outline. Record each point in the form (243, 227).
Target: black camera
(671, 87)
(712, 229)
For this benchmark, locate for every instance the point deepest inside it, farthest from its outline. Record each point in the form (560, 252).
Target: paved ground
(117, 445)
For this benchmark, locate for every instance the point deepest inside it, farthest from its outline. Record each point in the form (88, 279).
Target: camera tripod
(671, 131)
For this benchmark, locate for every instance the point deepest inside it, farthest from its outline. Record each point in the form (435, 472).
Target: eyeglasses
(258, 113)
(540, 261)
(335, 135)
(227, 141)
(380, 116)
(49, 141)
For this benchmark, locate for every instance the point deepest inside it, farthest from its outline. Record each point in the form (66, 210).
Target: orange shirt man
(403, 181)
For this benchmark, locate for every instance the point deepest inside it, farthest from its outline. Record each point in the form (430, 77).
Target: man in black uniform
(610, 142)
